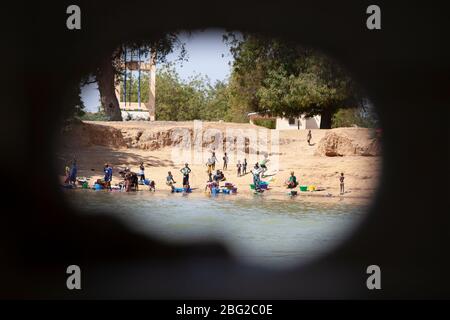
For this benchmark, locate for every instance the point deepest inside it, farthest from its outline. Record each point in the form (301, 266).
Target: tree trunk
(105, 80)
(325, 119)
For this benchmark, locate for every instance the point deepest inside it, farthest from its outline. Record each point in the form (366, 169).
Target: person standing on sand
(239, 166)
(185, 171)
(213, 161)
(108, 175)
(341, 180)
(309, 137)
(67, 173)
(225, 161)
(256, 177)
(73, 173)
(263, 164)
(209, 165)
(141, 172)
(244, 166)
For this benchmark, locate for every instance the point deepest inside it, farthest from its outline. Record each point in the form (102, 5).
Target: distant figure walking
(239, 167)
(185, 171)
(309, 137)
(225, 161)
(244, 166)
(141, 172)
(341, 180)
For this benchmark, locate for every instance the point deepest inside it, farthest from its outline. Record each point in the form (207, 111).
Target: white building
(301, 123)
(298, 123)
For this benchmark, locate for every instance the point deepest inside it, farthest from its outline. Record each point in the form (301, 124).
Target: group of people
(292, 182)
(185, 171)
(241, 168)
(71, 173)
(131, 180)
(211, 165)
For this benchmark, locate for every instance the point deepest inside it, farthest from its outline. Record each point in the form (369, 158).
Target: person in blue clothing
(108, 175)
(73, 173)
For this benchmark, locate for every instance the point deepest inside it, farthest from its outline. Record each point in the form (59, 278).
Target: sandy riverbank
(126, 144)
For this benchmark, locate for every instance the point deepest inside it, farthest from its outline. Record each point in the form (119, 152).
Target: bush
(352, 117)
(94, 116)
(267, 123)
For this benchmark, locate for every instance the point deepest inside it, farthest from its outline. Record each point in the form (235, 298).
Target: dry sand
(361, 172)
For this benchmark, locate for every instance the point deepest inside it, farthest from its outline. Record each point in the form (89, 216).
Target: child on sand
(341, 180)
(213, 161)
(244, 166)
(108, 175)
(292, 181)
(185, 171)
(225, 161)
(170, 181)
(152, 185)
(309, 137)
(239, 167)
(141, 172)
(210, 177)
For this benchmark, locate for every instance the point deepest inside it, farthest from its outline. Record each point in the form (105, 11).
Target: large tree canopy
(187, 100)
(281, 78)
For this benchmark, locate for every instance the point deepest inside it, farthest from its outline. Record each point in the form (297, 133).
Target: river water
(274, 232)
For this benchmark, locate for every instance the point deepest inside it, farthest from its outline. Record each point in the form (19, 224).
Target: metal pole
(139, 79)
(125, 77)
(131, 80)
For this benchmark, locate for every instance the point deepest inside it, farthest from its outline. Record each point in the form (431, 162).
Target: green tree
(281, 78)
(217, 103)
(178, 100)
(363, 116)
